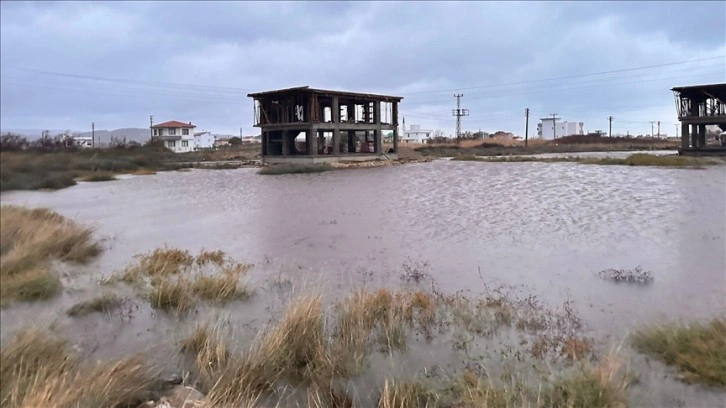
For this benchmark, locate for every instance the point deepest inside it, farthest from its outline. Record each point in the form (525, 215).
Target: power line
(573, 76)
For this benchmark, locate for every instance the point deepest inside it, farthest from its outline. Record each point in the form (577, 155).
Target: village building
(176, 136)
(307, 125)
(415, 134)
(552, 128)
(203, 140)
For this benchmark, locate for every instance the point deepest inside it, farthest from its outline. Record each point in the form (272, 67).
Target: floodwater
(551, 226)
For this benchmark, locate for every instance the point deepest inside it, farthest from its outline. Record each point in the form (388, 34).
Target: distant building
(203, 140)
(415, 134)
(251, 139)
(546, 128)
(177, 136)
(501, 135)
(84, 142)
(221, 142)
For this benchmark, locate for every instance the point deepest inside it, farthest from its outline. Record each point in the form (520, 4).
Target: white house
(204, 140)
(415, 134)
(546, 128)
(177, 136)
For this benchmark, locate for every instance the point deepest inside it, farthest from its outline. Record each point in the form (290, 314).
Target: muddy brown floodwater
(549, 226)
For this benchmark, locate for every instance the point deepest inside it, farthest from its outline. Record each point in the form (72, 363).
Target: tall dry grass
(29, 240)
(39, 371)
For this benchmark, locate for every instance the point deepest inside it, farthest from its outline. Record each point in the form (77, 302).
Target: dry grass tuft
(210, 352)
(602, 386)
(406, 395)
(174, 279)
(100, 304)
(170, 294)
(29, 240)
(220, 288)
(39, 371)
(698, 349)
(215, 257)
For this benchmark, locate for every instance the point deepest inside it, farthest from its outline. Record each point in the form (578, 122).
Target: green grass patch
(697, 349)
(295, 168)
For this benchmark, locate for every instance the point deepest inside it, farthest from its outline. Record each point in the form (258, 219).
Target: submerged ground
(532, 229)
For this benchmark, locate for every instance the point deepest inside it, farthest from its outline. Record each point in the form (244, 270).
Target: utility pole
(554, 125)
(526, 126)
(658, 129)
(610, 128)
(651, 128)
(458, 112)
(93, 135)
(151, 125)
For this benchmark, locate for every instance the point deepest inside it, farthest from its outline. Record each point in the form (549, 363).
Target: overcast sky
(67, 64)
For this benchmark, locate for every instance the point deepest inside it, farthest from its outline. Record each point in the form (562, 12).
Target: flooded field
(551, 227)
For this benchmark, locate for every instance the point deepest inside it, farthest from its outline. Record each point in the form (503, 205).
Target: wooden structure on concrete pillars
(307, 125)
(699, 106)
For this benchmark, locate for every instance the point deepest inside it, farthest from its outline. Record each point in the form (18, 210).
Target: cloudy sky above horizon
(66, 64)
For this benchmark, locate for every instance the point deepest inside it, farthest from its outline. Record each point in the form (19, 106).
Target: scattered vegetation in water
(637, 159)
(416, 271)
(295, 168)
(174, 279)
(637, 275)
(29, 240)
(101, 304)
(99, 176)
(697, 349)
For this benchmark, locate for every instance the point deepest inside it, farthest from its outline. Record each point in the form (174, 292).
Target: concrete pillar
(351, 141)
(312, 136)
(379, 139)
(263, 135)
(685, 140)
(335, 111)
(702, 136)
(694, 136)
(377, 112)
(394, 114)
(285, 142)
(336, 140)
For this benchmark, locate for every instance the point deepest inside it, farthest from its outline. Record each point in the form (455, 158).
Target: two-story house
(177, 136)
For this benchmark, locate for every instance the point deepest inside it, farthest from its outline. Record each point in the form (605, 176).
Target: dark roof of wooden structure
(715, 90)
(326, 92)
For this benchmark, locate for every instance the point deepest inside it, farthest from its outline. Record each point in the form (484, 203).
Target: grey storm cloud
(66, 64)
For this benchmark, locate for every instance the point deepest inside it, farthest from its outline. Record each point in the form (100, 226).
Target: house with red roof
(176, 136)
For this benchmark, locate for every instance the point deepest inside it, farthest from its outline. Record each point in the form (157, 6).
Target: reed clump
(29, 240)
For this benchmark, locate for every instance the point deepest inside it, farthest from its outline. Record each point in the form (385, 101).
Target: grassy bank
(34, 170)
(29, 241)
(295, 168)
(562, 145)
(56, 170)
(698, 349)
(638, 159)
